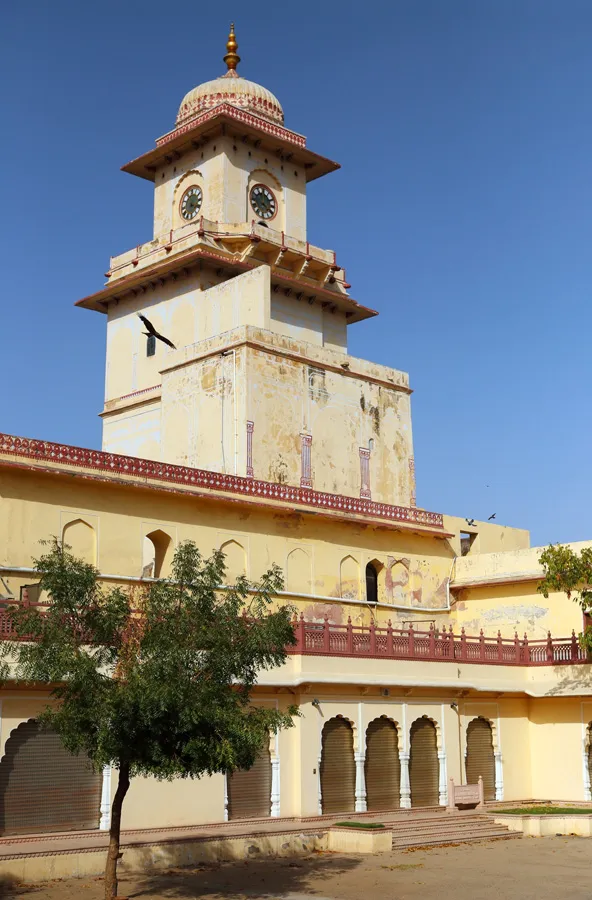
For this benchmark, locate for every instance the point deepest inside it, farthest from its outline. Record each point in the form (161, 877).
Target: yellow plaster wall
(34, 506)
(556, 742)
(516, 607)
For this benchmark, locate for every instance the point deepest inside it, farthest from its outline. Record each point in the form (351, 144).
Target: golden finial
(232, 58)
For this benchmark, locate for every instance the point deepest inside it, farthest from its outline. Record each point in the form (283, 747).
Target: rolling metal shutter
(249, 790)
(480, 759)
(424, 767)
(44, 788)
(383, 767)
(338, 769)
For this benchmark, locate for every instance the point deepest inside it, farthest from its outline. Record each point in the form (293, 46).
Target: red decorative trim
(263, 107)
(365, 491)
(305, 461)
(327, 639)
(250, 429)
(241, 116)
(116, 464)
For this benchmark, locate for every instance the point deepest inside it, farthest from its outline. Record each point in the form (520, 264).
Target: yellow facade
(258, 434)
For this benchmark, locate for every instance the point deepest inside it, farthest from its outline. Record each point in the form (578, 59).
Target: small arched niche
(80, 537)
(298, 572)
(157, 554)
(349, 576)
(235, 559)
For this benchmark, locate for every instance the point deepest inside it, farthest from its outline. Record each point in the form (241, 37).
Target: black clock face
(191, 203)
(263, 202)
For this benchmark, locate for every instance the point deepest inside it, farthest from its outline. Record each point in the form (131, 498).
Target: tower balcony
(308, 271)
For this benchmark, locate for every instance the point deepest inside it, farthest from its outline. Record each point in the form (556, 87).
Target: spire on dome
(232, 58)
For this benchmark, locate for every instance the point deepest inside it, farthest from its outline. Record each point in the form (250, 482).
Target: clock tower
(239, 363)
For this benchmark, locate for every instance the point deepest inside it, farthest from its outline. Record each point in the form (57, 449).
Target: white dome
(230, 88)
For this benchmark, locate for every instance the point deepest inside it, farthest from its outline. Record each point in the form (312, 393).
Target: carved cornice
(115, 464)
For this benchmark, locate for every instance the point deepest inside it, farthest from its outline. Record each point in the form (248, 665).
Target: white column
(443, 779)
(405, 784)
(225, 797)
(499, 776)
(360, 783)
(320, 792)
(585, 769)
(105, 821)
(275, 787)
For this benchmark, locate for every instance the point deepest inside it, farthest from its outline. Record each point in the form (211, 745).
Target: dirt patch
(541, 868)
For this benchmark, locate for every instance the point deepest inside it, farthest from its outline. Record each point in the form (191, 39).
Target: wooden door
(480, 758)
(44, 788)
(424, 766)
(249, 790)
(338, 768)
(382, 767)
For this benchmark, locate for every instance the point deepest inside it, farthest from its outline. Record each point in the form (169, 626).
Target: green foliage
(368, 825)
(158, 680)
(571, 573)
(545, 811)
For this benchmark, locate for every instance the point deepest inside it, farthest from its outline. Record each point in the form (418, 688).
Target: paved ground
(537, 868)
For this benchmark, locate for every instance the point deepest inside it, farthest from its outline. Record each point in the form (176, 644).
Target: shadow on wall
(570, 679)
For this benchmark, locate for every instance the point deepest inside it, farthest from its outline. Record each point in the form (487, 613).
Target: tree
(571, 573)
(157, 681)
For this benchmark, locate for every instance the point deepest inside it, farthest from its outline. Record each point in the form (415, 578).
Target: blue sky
(462, 212)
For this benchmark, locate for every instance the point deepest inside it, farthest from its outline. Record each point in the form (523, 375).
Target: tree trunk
(115, 831)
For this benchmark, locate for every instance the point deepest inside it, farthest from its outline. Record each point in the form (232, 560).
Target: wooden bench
(465, 795)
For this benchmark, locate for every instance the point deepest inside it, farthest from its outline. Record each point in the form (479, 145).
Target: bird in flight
(492, 516)
(470, 521)
(153, 332)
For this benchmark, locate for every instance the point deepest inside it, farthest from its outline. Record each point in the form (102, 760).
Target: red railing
(373, 642)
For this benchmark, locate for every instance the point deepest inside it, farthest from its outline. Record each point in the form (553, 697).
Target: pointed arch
(337, 769)
(298, 572)
(374, 581)
(424, 764)
(236, 559)
(382, 766)
(249, 790)
(43, 788)
(157, 554)
(398, 582)
(480, 758)
(349, 578)
(82, 540)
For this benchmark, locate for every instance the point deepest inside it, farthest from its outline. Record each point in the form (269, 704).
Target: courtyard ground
(541, 868)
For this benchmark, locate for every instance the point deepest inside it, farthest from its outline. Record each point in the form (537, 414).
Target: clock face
(263, 202)
(191, 203)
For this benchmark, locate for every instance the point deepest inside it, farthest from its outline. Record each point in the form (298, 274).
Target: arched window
(371, 583)
(80, 537)
(157, 554)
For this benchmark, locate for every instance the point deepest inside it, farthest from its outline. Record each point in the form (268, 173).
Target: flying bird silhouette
(152, 332)
(492, 516)
(470, 521)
